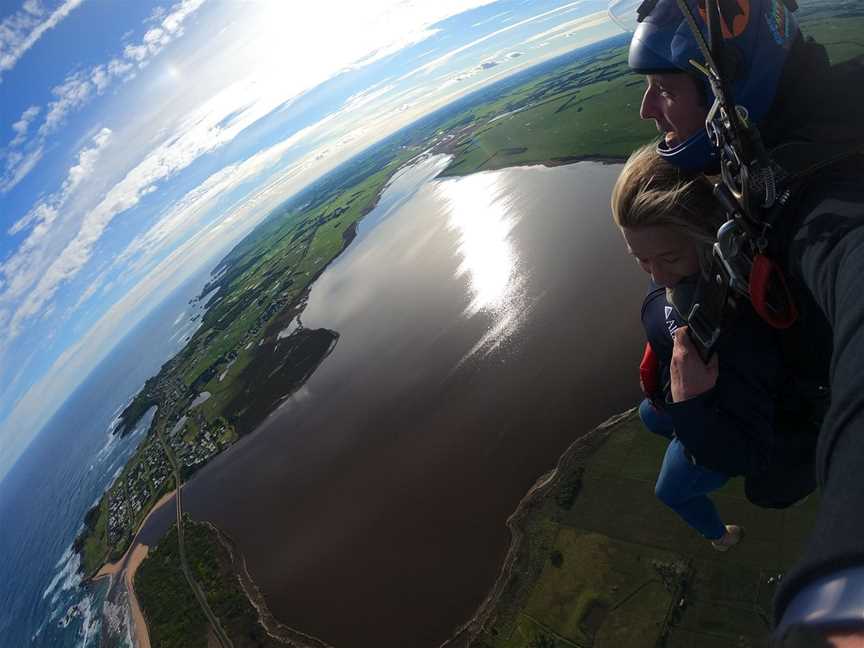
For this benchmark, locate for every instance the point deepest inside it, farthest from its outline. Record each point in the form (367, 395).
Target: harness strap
(793, 163)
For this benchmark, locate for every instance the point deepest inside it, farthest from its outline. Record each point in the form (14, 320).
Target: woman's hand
(689, 375)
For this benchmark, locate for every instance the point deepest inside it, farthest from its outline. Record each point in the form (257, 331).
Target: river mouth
(484, 323)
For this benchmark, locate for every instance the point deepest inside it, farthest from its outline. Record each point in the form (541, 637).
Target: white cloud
(33, 7)
(401, 42)
(212, 125)
(18, 166)
(23, 125)
(100, 78)
(135, 52)
(186, 216)
(20, 31)
(80, 171)
(117, 68)
(42, 212)
(497, 16)
(571, 27)
(71, 94)
(24, 269)
(86, 161)
(91, 290)
(78, 88)
(445, 58)
(360, 99)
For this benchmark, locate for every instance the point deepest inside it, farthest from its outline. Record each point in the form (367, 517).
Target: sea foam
(68, 572)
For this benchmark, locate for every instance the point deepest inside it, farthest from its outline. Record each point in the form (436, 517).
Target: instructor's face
(674, 102)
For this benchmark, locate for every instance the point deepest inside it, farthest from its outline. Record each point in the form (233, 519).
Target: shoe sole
(724, 548)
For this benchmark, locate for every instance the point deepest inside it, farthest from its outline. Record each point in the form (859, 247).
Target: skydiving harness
(754, 190)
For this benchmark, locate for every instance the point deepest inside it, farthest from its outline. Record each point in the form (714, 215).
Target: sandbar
(111, 569)
(142, 636)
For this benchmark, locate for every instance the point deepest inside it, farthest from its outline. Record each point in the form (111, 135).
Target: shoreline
(110, 569)
(126, 567)
(139, 623)
(272, 626)
(463, 635)
(453, 172)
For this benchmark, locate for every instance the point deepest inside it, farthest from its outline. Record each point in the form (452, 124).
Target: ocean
(44, 498)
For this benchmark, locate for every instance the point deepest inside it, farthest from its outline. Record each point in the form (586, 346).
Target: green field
(589, 109)
(618, 569)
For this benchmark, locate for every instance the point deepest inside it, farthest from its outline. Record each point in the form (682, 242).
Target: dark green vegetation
(172, 613)
(618, 569)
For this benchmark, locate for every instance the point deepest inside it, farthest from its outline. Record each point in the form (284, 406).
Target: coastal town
(130, 493)
(193, 440)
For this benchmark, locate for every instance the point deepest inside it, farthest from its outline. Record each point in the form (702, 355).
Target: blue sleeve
(832, 601)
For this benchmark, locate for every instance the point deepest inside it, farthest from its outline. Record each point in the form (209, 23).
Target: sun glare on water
(481, 213)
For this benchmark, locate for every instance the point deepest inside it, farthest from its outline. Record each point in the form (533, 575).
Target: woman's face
(664, 252)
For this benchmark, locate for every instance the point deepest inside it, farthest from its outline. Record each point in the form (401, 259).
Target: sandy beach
(142, 636)
(128, 565)
(111, 569)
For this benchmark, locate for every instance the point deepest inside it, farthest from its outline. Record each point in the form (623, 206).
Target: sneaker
(731, 538)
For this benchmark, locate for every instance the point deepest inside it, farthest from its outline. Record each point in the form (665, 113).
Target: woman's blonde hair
(652, 192)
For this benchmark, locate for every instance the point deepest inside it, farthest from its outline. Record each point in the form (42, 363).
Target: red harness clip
(770, 295)
(649, 372)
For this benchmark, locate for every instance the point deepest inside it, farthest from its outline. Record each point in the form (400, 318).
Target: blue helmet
(758, 35)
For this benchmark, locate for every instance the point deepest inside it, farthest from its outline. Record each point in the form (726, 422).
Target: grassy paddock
(619, 569)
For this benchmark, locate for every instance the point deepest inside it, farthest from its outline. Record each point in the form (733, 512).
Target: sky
(140, 141)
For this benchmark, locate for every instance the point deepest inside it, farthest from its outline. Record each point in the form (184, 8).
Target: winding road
(218, 630)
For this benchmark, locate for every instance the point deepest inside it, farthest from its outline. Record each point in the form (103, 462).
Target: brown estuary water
(485, 322)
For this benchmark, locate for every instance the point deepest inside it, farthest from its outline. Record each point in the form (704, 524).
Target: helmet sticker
(734, 17)
(778, 21)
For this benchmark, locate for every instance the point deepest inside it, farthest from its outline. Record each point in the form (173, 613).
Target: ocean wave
(128, 637)
(66, 556)
(68, 572)
(39, 631)
(90, 624)
(117, 472)
(115, 441)
(108, 447)
(179, 318)
(115, 422)
(71, 579)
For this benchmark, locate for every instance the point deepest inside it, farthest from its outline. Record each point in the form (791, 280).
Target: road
(218, 630)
